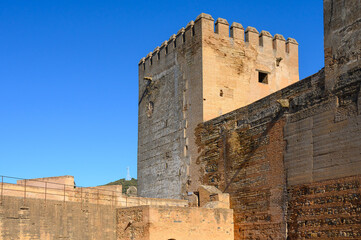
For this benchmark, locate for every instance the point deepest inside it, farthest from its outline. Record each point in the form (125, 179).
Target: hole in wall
(221, 93)
(263, 77)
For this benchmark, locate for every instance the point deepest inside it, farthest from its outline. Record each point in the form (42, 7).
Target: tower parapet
(276, 44)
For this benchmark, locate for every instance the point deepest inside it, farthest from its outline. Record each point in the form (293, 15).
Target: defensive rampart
(42, 209)
(54, 208)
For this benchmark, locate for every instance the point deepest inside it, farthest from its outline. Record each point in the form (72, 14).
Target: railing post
(81, 197)
(116, 200)
(24, 191)
(113, 199)
(46, 189)
(2, 188)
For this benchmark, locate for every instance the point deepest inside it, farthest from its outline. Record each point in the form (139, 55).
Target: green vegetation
(126, 184)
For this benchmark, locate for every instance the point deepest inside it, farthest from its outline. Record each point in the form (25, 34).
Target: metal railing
(45, 190)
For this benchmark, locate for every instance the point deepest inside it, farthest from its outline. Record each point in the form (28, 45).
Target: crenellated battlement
(205, 25)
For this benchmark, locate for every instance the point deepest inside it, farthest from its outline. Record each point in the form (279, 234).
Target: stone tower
(206, 70)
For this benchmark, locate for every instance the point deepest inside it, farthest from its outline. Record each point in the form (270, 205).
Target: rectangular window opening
(263, 77)
(166, 50)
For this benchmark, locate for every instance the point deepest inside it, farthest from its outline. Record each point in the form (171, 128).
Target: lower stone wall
(174, 223)
(325, 210)
(46, 220)
(296, 137)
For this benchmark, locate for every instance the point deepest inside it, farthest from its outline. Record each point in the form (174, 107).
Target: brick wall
(325, 210)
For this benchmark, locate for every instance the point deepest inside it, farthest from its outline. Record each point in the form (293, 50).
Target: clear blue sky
(68, 75)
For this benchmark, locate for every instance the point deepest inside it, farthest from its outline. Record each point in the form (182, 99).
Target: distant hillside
(126, 184)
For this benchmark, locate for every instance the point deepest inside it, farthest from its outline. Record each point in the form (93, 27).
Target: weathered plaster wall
(37, 219)
(164, 223)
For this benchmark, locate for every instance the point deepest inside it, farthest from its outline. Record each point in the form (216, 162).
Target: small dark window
(166, 50)
(221, 93)
(175, 43)
(263, 77)
(158, 55)
(151, 60)
(193, 33)
(184, 37)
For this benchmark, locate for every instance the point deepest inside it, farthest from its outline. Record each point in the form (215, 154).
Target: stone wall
(37, 219)
(205, 70)
(326, 210)
(300, 135)
(34, 209)
(169, 78)
(342, 28)
(168, 223)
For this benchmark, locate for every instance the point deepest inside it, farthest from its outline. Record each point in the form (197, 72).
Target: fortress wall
(155, 223)
(205, 70)
(288, 164)
(57, 216)
(36, 219)
(166, 115)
